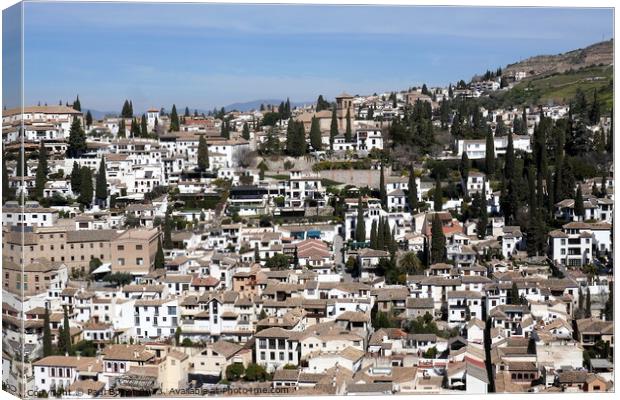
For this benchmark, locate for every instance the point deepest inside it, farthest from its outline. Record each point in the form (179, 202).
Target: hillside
(560, 88)
(597, 54)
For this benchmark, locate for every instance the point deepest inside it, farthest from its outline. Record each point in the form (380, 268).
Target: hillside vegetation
(560, 88)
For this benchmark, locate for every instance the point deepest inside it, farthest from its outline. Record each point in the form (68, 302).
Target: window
(120, 247)
(138, 247)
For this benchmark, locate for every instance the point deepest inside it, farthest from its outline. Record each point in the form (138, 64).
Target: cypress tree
(186, 112)
(380, 236)
(465, 166)
(89, 118)
(256, 253)
(86, 186)
(225, 130)
(579, 208)
(333, 129)
(101, 186)
(490, 153)
(144, 129)
(412, 193)
(76, 178)
(483, 218)
(373, 235)
(66, 332)
(387, 234)
(509, 168)
(174, 119)
(438, 241)
(21, 166)
(159, 255)
(437, 196)
(347, 132)
(77, 139)
(382, 191)
(47, 334)
(76, 104)
(42, 170)
(609, 304)
(514, 294)
(588, 312)
(203, 154)
(315, 134)
(246, 131)
(167, 230)
(122, 131)
(595, 109)
(135, 129)
(360, 225)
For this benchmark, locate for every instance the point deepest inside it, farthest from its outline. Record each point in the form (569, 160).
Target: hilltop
(601, 53)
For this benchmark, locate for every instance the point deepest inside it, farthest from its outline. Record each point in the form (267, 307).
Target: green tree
(347, 133)
(609, 304)
(47, 334)
(412, 192)
(245, 133)
(410, 263)
(483, 218)
(159, 256)
(278, 262)
(255, 372)
(77, 139)
(225, 129)
(127, 111)
(76, 178)
(256, 253)
(360, 225)
(438, 241)
(122, 132)
(465, 166)
(588, 311)
(509, 167)
(235, 371)
(21, 165)
(579, 207)
(86, 187)
(373, 234)
(490, 153)
(76, 104)
(437, 196)
(315, 135)
(144, 129)
(42, 170)
(382, 189)
(203, 154)
(174, 119)
(89, 118)
(595, 109)
(101, 187)
(66, 332)
(167, 230)
(333, 129)
(514, 294)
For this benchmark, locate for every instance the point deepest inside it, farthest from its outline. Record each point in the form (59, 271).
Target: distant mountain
(601, 53)
(255, 104)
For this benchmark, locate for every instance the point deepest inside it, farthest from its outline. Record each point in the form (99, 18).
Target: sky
(209, 55)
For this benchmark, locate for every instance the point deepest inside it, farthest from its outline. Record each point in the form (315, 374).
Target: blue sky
(203, 55)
